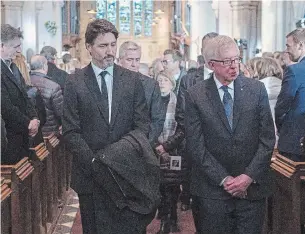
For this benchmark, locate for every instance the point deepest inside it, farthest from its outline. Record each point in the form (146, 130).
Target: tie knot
(224, 88)
(8, 62)
(103, 74)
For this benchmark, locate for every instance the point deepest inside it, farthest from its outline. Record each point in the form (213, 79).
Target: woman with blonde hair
(251, 67)
(270, 73)
(20, 62)
(34, 95)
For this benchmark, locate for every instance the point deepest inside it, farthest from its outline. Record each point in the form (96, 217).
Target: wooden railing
(287, 205)
(34, 190)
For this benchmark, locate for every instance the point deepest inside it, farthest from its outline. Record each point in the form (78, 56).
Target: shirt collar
(8, 62)
(97, 70)
(301, 58)
(219, 85)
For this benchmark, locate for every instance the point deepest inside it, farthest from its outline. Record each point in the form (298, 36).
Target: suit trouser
(87, 212)
(169, 200)
(232, 216)
(101, 216)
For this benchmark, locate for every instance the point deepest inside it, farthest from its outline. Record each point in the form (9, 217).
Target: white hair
(128, 45)
(215, 46)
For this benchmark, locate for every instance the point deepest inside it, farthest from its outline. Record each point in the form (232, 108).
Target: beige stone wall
(152, 47)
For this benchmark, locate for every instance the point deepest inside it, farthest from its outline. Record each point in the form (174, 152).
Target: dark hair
(66, 58)
(49, 53)
(97, 27)
(177, 56)
(200, 60)
(9, 33)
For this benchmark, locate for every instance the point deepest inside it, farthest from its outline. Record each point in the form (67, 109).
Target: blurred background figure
(192, 66)
(170, 180)
(68, 65)
(51, 93)
(54, 73)
(270, 73)
(251, 67)
(34, 95)
(267, 55)
(144, 69)
(155, 68)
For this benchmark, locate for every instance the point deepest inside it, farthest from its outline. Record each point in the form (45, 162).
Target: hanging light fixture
(91, 11)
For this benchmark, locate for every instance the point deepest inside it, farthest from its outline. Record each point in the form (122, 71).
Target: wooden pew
(5, 207)
(52, 144)
(39, 156)
(288, 201)
(20, 177)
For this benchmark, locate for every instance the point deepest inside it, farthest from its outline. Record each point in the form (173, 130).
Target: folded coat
(129, 172)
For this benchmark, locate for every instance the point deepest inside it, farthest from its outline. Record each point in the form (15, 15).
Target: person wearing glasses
(171, 62)
(230, 148)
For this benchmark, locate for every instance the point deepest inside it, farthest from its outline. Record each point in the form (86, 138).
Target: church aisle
(186, 224)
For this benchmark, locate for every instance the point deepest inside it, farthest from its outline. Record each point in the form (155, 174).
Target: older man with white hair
(230, 148)
(129, 57)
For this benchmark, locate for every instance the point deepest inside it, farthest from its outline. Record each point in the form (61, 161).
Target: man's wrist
(222, 182)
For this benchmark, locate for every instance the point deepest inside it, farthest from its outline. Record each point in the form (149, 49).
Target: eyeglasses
(228, 62)
(165, 62)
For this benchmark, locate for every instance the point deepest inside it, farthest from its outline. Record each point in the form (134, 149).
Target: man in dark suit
(59, 76)
(102, 103)
(172, 60)
(230, 148)
(129, 57)
(290, 106)
(17, 111)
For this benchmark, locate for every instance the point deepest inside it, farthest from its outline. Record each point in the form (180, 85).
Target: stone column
(11, 12)
(244, 24)
(203, 21)
(57, 17)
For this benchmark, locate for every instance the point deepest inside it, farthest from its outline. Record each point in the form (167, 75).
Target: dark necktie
(104, 93)
(228, 104)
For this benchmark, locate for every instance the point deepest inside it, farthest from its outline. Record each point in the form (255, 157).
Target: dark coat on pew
(17, 111)
(133, 164)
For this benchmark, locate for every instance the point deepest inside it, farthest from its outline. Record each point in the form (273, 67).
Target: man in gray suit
(129, 57)
(230, 138)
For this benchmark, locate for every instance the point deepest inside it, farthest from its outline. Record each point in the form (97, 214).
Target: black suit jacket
(290, 109)
(57, 75)
(155, 107)
(85, 126)
(17, 112)
(216, 150)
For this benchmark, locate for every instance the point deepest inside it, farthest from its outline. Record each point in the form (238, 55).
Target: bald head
(39, 64)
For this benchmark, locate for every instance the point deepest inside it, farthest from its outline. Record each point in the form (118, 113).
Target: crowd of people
(144, 137)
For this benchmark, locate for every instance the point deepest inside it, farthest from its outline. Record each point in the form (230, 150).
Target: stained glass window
(124, 12)
(148, 16)
(129, 16)
(111, 11)
(137, 17)
(101, 9)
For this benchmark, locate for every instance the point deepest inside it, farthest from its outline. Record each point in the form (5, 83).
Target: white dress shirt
(108, 81)
(220, 90)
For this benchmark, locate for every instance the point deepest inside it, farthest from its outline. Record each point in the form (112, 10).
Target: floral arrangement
(51, 27)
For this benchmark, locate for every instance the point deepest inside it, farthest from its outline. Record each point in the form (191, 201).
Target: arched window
(131, 17)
